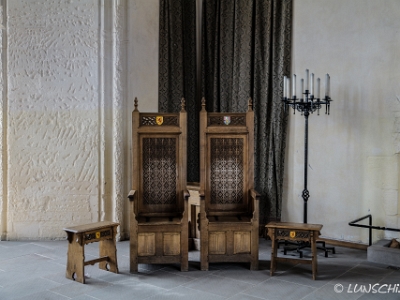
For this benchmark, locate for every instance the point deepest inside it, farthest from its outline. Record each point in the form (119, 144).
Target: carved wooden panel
(241, 242)
(217, 243)
(159, 171)
(226, 120)
(146, 244)
(156, 121)
(97, 235)
(299, 234)
(172, 243)
(227, 170)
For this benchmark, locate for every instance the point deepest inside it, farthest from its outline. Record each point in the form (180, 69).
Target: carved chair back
(159, 163)
(227, 161)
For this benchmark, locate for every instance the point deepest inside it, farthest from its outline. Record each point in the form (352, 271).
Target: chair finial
(183, 104)
(136, 104)
(203, 103)
(250, 104)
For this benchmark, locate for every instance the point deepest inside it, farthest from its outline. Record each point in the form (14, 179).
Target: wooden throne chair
(158, 200)
(229, 205)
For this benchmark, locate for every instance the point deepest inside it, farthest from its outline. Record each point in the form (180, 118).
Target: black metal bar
(305, 191)
(370, 227)
(370, 231)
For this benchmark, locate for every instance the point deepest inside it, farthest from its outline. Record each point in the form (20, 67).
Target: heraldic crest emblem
(227, 120)
(159, 120)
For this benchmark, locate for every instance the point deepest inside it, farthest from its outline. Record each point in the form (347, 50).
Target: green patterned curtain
(177, 70)
(246, 50)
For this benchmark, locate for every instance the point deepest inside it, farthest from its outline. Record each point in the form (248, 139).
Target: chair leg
(254, 265)
(204, 265)
(133, 264)
(203, 253)
(133, 268)
(184, 263)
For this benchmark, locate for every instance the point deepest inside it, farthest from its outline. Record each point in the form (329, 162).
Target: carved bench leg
(108, 248)
(75, 259)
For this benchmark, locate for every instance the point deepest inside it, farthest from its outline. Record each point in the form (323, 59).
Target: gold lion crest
(159, 120)
(292, 234)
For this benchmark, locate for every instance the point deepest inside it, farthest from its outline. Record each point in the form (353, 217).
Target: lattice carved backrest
(227, 171)
(159, 169)
(159, 163)
(227, 160)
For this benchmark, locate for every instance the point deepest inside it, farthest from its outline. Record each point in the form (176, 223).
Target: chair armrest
(131, 195)
(202, 195)
(186, 194)
(255, 197)
(254, 194)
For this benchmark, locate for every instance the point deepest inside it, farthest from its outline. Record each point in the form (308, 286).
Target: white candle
(327, 87)
(301, 87)
(318, 87)
(284, 87)
(294, 85)
(288, 87)
(306, 79)
(312, 84)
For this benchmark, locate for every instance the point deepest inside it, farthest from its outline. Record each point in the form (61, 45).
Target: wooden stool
(299, 232)
(78, 236)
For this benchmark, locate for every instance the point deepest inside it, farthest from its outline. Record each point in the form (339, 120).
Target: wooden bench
(78, 236)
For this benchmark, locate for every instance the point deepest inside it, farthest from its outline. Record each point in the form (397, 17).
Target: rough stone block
(381, 253)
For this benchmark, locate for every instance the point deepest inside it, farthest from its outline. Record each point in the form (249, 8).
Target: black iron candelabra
(307, 105)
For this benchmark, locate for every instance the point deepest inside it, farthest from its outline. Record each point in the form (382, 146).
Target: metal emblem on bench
(159, 120)
(227, 120)
(292, 234)
(97, 235)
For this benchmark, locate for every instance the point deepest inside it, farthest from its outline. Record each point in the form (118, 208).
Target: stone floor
(36, 270)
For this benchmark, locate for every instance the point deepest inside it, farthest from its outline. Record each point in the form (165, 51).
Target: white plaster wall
(70, 71)
(353, 161)
(143, 71)
(52, 137)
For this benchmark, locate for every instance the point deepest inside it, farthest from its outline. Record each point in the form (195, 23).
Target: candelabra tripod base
(299, 246)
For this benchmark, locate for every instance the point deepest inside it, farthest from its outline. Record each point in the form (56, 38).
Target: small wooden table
(294, 232)
(78, 236)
